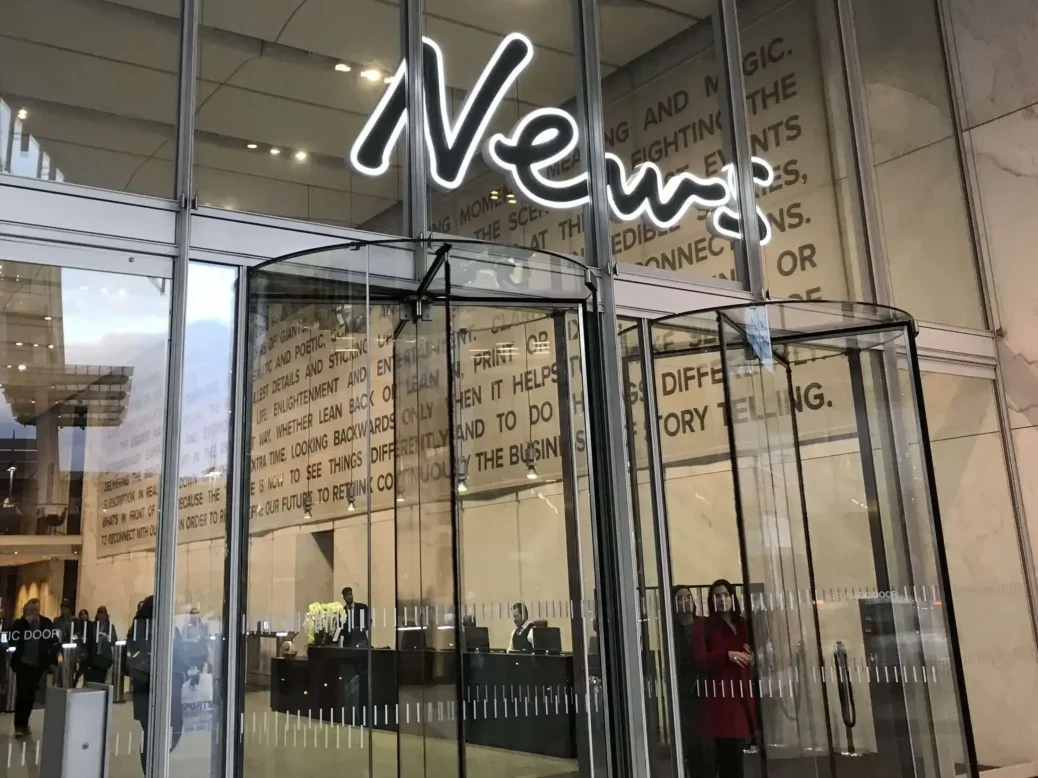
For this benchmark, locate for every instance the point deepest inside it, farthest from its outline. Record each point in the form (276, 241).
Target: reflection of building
(53, 408)
(901, 137)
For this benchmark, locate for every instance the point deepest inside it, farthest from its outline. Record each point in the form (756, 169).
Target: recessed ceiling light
(494, 197)
(371, 74)
(21, 367)
(342, 67)
(275, 151)
(301, 156)
(252, 146)
(19, 343)
(47, 318)
(23, 114)
(387, 79)
(51, 346)
(35, 345)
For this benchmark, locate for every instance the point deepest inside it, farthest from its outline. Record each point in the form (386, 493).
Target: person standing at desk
(521, 641)
(354, 630)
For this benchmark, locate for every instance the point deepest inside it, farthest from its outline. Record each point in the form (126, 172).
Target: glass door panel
(428, 669)
(851, 619)
(785, 696)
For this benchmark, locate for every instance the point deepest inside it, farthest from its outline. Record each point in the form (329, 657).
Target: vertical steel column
(729, 47)
(233, 687)
(862, 161)
(618, 594)
(416, 206)
(158, 737)
(662, 534)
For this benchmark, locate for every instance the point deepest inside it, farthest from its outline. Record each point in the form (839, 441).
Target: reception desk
(519, 702)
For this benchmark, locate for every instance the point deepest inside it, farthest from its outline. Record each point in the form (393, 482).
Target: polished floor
(281, 746)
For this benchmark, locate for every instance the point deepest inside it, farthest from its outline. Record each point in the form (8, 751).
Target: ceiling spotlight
(19, 343)
(301, 156)
(342, 67)
(23, 113)
(47, 318)
(252, 146)
(371, 74)
(275, 151)
(21, 368)
(51, 346)
(35, 345)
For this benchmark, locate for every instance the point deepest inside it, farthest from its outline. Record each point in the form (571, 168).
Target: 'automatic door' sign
(542, 138)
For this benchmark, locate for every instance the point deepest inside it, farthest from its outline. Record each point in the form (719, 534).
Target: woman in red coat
(728, 714)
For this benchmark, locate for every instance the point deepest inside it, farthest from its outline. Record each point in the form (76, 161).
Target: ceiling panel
(76, 79)
(546, 22)
(221, 55)
(627, 33)
(362, 31)
(112, 169)
(307, 84)
(48, 122)
(97, 28)
(238, 113)
(257, 18)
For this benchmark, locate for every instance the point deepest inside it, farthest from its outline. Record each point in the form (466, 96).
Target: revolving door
(779, 454)
(420, 577)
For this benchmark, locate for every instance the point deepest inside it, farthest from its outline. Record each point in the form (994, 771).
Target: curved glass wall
(421, 578)
(808, 624)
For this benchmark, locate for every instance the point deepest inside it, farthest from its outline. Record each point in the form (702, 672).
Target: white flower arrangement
(323, 620)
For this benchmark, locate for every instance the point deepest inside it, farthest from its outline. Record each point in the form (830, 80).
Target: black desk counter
(519, 702)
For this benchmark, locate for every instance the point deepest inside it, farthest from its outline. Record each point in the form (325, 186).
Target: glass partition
(421, 569)
(812, 630)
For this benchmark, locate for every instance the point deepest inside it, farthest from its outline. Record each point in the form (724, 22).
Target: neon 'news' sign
(542, 138)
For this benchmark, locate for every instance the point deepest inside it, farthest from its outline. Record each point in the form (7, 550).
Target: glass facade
(316, 449)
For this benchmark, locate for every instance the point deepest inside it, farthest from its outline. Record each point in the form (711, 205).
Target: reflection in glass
(919, 179)
(662, 91)
(488, 205)
(202, 520)
(82, 376)
(281, 100)
(797, 110)
(90, 93)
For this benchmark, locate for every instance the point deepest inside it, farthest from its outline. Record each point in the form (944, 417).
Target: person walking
(36, 642)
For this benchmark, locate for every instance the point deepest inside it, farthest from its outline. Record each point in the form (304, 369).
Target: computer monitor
(547, 640)
(477, 639)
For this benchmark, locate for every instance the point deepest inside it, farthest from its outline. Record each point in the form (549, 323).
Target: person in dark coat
(138, 665)
(728, 713)
(697, 748)
(35, 640)
(100, 651)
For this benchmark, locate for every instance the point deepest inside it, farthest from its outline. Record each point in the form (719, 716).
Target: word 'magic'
(542, 138)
